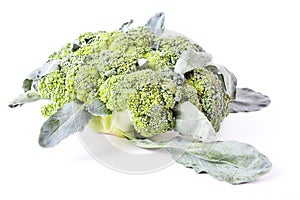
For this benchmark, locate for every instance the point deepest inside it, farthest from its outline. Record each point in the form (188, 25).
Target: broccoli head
(86, 83)
(111, 63)
(149, 95)
(53, 87)
(173, 47)
(94, 43)
(214, 102)
(138, 40)
(107, 66)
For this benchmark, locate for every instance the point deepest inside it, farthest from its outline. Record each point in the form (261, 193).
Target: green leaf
(191, 122)
(37, 74)
(143, 63)
(229, 161)
(47, 68)
(190, 59)
(69, 119)
(27, 97)
(98, 108)
(27, 84)
(126, 25)
(226, 77)
(156, 24)
(248, 100)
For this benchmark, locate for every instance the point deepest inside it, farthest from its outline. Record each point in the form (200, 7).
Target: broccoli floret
(96, 43)
(87, 38)
(111, 63)
(157, 60)
(108, 90)
(149, 95)
(167, 50)
(53, 87)
(64, 52)
(89, 44)
(214, 102)
(86, 83)
(171, 48)
(62, 86)
(138, 40)
(188, 93)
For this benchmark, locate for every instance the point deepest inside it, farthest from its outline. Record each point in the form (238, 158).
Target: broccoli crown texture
(132, 70)
(214, 102)
(134, 40)
(86, 83)
(149, 95)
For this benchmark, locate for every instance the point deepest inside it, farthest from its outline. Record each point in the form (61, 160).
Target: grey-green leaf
(229, 161)
(248, 100)
(27, 97)
(190, 59)
(143, 63)
(37, 74)
(227, 78)
(27, 85)
(47, 68)
(98, 108)
(156, 24)
(192, 123)
(126, 25)
(69, 119)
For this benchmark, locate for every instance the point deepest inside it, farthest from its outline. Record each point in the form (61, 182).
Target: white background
(258, 40)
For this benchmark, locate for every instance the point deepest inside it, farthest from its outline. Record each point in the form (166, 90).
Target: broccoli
(111, 63)
(214, 102)
(148, 94)
(141, 82)
(106, 66)
(53, 87)
(86, 83)
(138, 40)
(173, 47)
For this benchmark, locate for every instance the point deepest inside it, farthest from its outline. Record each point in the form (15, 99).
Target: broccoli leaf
(156, 24)
(190, 60)
(226, 77)
(98, 108)
(143, 63)
(248, 100)
(23, 98)
(229, 161)
(191, 122)
(27, 85)
(47, 68)
(69, 119)
(37, 74)
(126, 25)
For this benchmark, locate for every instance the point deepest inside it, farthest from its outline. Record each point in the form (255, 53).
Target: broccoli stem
(118, 124)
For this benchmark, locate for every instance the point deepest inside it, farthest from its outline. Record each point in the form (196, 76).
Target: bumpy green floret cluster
(86, 83)
(167, 50)
(110, 63)
(107, 66)
(214, 102)
(137, 40)
(173, 47)
(149, 95)
(53, 87)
